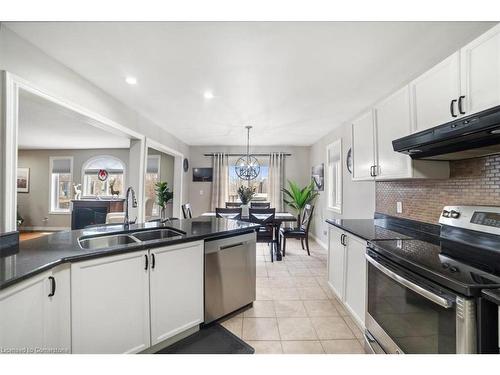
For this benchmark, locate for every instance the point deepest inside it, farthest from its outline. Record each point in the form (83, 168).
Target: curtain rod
(213, 153)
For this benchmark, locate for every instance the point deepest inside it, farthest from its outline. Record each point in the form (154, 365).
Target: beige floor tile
(354, 327)
(304, 281)
(302, 347)
(278, 273)
(294, 271)
(262, 282)
(282, 282)
(285, 294)
(261, 271)
(312, 293)
(266, 347)
(260, 309)
(340, 307)
(264, 293)
(318, 271)
(260, 329)
(320, 308)
(332, 328)
(234, 325)
(342, 347)
(289, 309)
(296, 329)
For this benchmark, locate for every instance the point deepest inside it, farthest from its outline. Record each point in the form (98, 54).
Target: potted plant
(163, 196)
(297, 197)
(246, 194)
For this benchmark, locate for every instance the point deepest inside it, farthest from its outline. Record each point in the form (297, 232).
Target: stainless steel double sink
(142, 236)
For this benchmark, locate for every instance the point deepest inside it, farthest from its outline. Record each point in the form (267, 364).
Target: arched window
(113, 185)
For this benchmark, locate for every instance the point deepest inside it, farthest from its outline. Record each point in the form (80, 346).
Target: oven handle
(443, 302)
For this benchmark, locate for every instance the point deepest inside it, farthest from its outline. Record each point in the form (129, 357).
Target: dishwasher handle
(230, 246)
(216, 247)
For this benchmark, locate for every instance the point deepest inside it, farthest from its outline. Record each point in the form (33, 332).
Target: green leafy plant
(297, 197)
(163, 194)
(246, 194)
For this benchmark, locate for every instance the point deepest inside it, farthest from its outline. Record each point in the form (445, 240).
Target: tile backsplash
(471, 182)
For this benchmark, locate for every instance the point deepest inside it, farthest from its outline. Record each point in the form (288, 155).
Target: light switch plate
(399, 207)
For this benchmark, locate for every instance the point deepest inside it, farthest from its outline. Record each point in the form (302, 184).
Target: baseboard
(43, 229)
(318, 241)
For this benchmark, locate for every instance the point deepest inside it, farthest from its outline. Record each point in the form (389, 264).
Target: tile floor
(295, 311)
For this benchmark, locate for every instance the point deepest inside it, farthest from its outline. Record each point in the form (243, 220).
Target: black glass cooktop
(463, 270)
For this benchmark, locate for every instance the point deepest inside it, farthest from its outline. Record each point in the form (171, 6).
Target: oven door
(408, 314)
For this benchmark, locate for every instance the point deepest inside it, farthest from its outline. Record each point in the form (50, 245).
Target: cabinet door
(336, 262)
(433, 92)
(176, 289)
(110, 304)
(33, 322)
(355, 291)
(363, 147)
(480, 64)
(393, 121)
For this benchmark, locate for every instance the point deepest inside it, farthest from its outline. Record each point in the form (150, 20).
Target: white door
(176, 282)
(433, 92)
(363, 155)
(355, 291)
(33, 321)
(336, 262)
(480, 63)
(110, 304)
(393, 121)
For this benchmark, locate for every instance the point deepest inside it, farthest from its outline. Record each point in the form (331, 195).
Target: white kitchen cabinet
(355, 285)
(480, 66)
(336, 262)
(176, 282)
(363, 151)
(110, 304)
(34, 322)
(435, 94)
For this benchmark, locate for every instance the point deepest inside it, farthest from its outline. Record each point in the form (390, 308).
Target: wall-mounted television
(202, 174)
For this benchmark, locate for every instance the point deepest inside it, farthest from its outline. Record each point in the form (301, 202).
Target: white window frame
(338, 189)
(52, 210)
(88, 161)
(155, 156)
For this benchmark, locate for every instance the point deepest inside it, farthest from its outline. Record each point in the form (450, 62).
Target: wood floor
(24, 236)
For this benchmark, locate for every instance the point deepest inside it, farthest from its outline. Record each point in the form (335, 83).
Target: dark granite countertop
(492, 295)
(45, 252)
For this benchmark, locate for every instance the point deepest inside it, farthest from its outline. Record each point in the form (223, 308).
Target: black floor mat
(212, 339)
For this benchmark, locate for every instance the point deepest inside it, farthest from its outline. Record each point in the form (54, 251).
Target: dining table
(279, 219)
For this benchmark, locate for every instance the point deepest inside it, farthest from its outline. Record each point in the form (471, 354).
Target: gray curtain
(276, 179)
(220, 182)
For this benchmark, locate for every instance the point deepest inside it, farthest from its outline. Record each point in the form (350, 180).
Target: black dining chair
(266, 218)
(233, 204)
(260, 205)
(228, 213)
(186, 211)
(302, 232)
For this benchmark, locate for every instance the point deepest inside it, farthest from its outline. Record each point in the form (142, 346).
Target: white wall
(297, 169)
(358, 198)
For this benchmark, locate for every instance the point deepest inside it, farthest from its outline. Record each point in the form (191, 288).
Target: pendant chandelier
(247, 167)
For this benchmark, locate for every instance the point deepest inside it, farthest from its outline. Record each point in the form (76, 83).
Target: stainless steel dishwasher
(229, 275)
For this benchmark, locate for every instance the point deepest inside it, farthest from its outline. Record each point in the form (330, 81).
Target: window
(94, 187)
(261, 183)
(334, 175)
(152, 177)
(61, 181)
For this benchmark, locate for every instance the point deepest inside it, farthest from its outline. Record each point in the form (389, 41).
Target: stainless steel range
(423, 296)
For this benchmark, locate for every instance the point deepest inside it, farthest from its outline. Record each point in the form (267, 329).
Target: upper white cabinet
(110, 304)
(480, 67)
(363, 149)
(176, 282)
(35, 314)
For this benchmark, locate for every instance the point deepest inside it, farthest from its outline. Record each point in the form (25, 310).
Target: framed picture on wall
(318, 176)
(23, 180)
(202, 174)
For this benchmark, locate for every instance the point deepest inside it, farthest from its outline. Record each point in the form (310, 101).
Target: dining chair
(186, 211)
(266, 218)
(302, 232)
(233, 204)
(260, 205)
(228, 213)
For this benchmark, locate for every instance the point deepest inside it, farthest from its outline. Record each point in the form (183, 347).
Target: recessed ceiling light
(131, 80)
(208, 95)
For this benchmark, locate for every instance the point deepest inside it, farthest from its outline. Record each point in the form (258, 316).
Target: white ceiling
(46, 125)
(293, 81)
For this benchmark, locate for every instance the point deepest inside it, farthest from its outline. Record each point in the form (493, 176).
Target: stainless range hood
(468, 137)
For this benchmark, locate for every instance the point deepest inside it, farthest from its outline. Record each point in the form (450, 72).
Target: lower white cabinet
(110, 304)
(347, 271)
(176, 282)
(35, 314)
